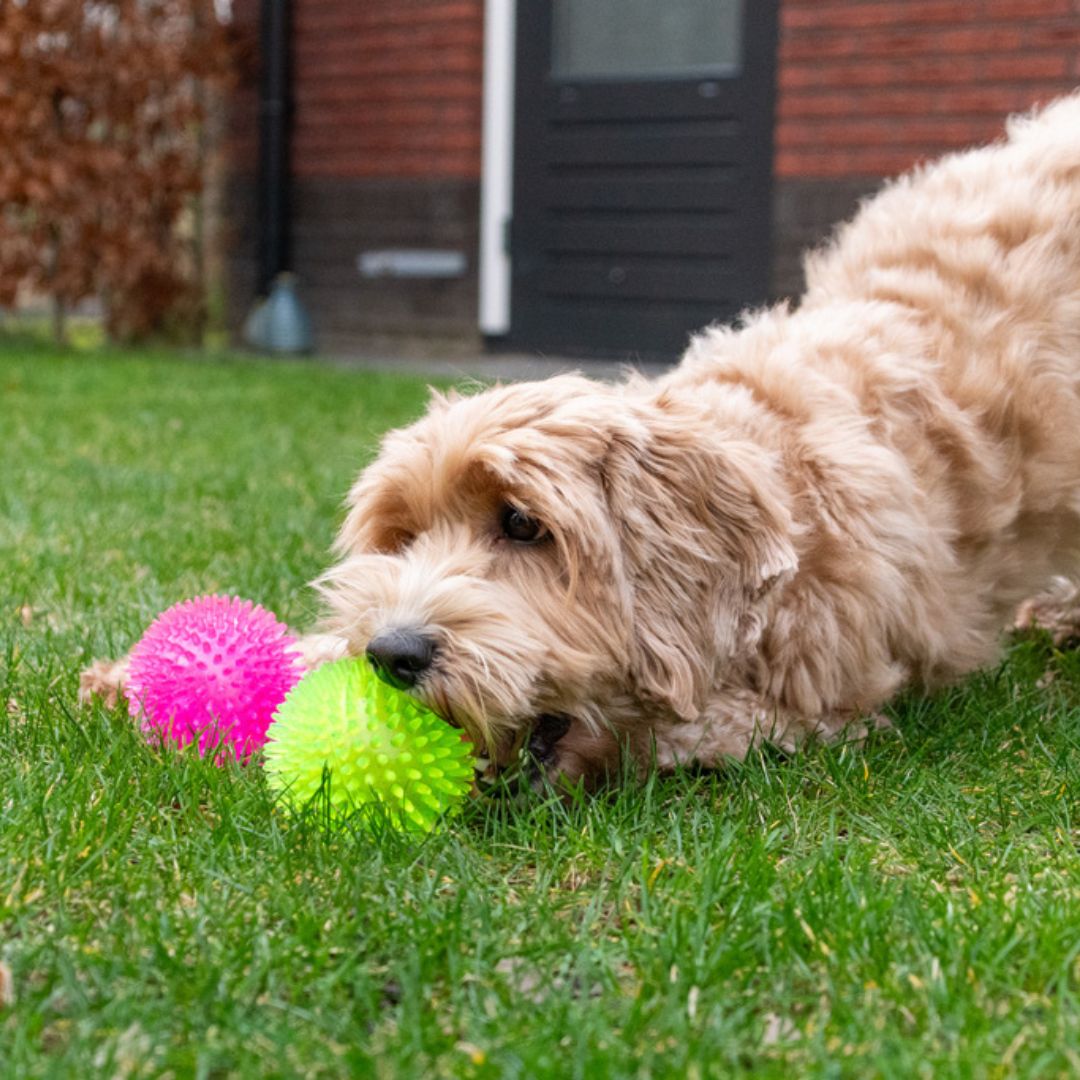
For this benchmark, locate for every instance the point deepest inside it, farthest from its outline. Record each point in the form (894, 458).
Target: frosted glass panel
(645, 38)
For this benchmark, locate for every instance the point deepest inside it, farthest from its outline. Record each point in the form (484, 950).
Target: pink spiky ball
(212, 671)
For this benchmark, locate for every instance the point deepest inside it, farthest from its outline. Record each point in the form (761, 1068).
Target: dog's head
(554, 548)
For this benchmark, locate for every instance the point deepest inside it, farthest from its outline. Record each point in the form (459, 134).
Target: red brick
(328, 17)
(892, 43)
(995, 101)
(1053, 35)
(934, 133)
(854, 15)
(388, 138)
(362, 92)
(388, 87)
(411, 114)
(830, 164)
(349, 164)
(1025, 66)
(936, 70)
(1025, 9)
(389, 65)
(871, 73)
(393, 87)
(435, 36)
(804, 105)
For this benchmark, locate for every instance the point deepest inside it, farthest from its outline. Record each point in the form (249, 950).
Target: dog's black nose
(400, 657)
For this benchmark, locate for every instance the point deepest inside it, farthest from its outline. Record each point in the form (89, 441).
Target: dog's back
(932, 374)
(982, 251)
(982, 232)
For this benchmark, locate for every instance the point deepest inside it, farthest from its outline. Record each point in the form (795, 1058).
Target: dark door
(642, 168)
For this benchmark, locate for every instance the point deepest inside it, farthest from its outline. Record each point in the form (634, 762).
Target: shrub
(102, 107)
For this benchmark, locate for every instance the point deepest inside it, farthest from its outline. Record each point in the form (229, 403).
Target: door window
(645, 39)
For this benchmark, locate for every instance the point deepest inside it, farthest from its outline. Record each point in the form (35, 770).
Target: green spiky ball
(375, 745)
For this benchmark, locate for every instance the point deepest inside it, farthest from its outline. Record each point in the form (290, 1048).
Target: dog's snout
(400, 657)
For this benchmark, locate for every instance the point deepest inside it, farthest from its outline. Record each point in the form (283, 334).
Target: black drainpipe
(275, 110)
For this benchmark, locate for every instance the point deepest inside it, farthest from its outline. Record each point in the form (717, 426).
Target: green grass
(911, 907)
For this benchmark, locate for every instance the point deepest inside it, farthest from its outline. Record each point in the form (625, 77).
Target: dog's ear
(354, 536)
(374, 514)
(705, 535)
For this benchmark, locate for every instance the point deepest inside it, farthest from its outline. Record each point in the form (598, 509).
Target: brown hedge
(101, 115)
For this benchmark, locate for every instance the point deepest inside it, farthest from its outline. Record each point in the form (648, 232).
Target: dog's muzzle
(400, 657)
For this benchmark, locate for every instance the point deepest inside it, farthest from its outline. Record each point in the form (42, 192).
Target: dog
(814, 510)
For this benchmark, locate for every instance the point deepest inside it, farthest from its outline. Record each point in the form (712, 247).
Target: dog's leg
(1056, 610)
(568, 754)
(319, 649)
(734, 721)
(104, 680)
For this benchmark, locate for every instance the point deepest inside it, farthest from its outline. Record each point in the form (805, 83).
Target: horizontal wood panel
(642, 148)
(622, 329)
(652, 194)
(662, 127)
(705, 98)
(636, 279)
(653, 238)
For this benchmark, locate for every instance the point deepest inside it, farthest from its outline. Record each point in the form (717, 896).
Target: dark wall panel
(334, 221)
(804, 215)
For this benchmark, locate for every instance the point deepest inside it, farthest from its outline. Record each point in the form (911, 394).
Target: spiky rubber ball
(211, 671)
(374, 745)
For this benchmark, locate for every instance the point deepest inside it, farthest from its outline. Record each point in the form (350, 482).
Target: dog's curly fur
(809, 513)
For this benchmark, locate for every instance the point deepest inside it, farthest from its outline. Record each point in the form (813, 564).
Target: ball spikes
(211, 671)
(344, 738)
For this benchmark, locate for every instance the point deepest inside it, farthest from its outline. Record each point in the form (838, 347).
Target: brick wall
(388, 88)
(386, 123)
(392, 88)
(867, 87)
(387, 113)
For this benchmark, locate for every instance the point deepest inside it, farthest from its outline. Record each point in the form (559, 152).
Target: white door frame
(497, 167)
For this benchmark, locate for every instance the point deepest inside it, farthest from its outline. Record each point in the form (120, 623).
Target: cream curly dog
(809, 513)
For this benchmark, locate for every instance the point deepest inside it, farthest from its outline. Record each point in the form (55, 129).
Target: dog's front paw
(569, 756)
(318, 649)
(104, 680)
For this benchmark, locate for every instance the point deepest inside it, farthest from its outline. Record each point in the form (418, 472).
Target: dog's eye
(518, 526)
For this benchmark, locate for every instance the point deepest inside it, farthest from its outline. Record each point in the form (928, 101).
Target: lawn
(908, 907)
